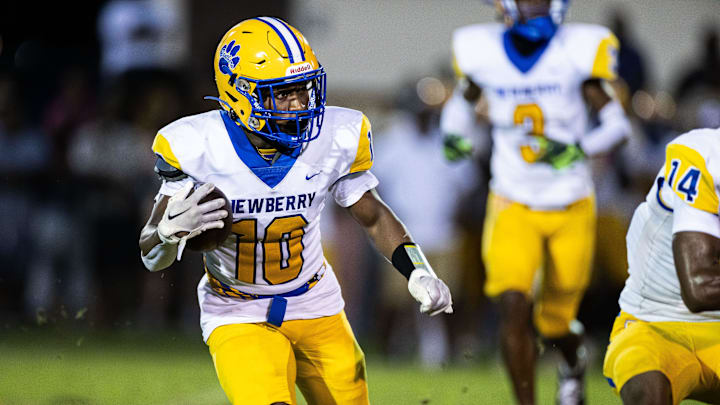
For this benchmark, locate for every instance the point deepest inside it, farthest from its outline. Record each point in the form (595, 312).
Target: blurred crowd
(76, 180)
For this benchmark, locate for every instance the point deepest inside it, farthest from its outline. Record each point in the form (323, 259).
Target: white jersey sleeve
(593, 49)
(689, 171)
(355, 178)
(474, 48)
(180, 144)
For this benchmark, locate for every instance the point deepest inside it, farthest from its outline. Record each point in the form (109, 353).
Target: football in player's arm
(537, 76)
(271, 309)
(665, 343)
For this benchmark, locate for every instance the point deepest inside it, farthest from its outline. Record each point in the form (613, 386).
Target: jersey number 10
(281, 249)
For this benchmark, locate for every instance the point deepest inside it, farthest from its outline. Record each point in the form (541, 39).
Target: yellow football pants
(688, 353)
(515, 242)
(259, 364)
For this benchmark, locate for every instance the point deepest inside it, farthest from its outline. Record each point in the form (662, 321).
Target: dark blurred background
(85, 86)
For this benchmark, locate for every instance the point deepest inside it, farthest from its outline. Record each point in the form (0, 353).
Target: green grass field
(43, 368)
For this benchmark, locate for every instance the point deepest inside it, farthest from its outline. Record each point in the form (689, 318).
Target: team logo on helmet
(228, 60)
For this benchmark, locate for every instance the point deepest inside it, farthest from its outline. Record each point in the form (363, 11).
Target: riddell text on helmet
(296, 69)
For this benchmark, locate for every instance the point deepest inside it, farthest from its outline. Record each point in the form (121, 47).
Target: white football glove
(431, 292)
(184, 214)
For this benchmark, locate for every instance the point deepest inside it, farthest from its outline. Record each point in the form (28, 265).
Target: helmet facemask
(534, 21)
(289, 128)
(528, 11)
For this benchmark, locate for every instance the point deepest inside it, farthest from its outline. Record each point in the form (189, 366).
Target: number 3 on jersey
(530, 116)
(281, 249)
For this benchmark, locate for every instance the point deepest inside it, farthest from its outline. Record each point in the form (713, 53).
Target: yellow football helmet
(255, 58)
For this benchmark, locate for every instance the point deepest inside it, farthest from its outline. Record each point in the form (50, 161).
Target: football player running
(271, 308)
(665, 343)
(539, 77)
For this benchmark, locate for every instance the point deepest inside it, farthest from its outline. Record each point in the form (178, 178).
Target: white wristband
(161, 256)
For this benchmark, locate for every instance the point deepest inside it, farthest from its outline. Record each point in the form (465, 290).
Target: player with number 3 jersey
(271, 307)
(538, 77)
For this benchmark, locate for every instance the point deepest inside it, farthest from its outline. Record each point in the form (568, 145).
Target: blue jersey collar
(523, 62)
(270, 173)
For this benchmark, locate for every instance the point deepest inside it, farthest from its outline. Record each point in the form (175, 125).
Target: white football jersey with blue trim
(275, 246)
(684, 198)
(539, 94)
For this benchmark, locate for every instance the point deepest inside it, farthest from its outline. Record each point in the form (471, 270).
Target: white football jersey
(684, 198)
(539, 94)
(275, 246)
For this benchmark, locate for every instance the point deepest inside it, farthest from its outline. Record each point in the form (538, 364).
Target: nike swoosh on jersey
(310, 177)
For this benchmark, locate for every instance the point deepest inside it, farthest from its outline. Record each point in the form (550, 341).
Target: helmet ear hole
(243, 85)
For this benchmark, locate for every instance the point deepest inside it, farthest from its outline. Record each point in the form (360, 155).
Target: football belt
(276, 314)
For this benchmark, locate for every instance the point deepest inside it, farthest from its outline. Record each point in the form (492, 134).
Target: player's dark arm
(393, 241)
(594, 94)
(380, 223)
(614, 127)
(148, 235)
(697, 262)
(471, 92)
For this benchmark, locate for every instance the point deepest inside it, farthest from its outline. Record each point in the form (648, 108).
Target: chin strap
(231, 112)
(536, 29)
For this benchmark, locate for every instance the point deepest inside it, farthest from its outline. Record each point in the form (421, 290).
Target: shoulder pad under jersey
(168, 172)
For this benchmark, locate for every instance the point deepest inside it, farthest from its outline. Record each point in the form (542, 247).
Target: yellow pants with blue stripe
(687, 353)
(516, 242)
(260, 364)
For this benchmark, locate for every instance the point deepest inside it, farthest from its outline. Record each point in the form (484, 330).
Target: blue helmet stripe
(302, 53)
(286, 35)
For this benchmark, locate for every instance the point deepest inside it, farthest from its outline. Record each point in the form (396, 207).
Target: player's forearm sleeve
(614, 127)
(458, 115)
(160, 257)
